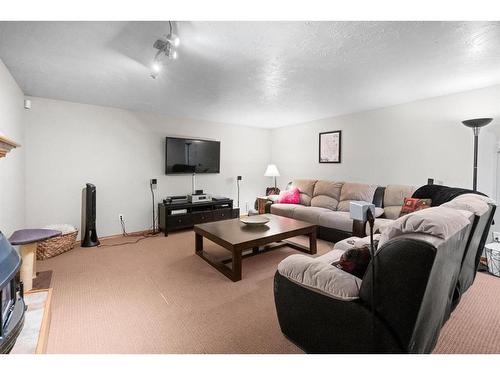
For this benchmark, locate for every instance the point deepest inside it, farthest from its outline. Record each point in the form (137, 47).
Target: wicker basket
(56, 245)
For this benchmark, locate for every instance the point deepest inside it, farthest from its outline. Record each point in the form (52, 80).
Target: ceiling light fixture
(166, 49)
(174, 39)
(155, 68)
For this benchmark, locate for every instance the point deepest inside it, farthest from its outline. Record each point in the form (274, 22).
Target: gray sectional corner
(421, 273)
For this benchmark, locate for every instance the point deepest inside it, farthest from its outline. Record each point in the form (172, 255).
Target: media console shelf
(185, 215)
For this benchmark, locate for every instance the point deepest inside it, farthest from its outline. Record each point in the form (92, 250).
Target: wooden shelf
(6, 145)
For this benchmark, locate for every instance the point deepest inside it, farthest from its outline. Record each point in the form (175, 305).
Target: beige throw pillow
(326, 194)
(306, 188)
(352, 191)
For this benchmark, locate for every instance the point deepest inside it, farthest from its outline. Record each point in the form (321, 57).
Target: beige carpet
(474, 326)
(157, 296)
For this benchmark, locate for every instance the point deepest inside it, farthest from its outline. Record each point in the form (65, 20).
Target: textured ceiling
(265, 74)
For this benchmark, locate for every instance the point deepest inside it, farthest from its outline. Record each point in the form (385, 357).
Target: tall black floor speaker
(89, 233)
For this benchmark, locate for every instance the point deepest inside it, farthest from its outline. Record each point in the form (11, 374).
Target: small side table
(261, 204)
(28, 239)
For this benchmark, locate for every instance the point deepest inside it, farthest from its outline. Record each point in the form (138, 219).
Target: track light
(166, 48)
(155, 69)
(156, 65)
(174, 39)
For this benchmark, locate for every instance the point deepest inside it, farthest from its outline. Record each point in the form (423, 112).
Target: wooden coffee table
(240, 238)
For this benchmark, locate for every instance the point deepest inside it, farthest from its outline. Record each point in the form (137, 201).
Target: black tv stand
(173, 216)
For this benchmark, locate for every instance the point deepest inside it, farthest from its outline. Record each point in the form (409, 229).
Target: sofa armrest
(273, 197)
(320, 277)
(354, 242)
(358, 228)
(320, 324)
(267, 208)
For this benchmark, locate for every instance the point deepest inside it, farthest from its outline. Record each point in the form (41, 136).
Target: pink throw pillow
(291, 196)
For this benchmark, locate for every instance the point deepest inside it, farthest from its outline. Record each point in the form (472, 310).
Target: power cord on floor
(125, 234)
(122, 223)
(141, 235)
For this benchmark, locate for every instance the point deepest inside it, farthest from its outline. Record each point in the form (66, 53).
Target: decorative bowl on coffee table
(255, 220)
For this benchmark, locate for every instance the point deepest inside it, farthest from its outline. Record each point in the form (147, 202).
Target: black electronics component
(176, 199)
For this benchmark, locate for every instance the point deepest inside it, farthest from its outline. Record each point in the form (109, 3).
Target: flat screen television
(187, 156)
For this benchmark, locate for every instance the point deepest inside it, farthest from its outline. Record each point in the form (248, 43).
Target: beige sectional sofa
(326, 203)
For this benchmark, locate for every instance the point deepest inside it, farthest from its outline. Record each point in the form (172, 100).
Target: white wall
(11, 166)
(403, 144)
(69, 144)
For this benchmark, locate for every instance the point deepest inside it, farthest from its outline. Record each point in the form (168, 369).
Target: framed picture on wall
(330, 146)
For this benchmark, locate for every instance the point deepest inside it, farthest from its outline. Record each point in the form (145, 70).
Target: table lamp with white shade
(272, 171)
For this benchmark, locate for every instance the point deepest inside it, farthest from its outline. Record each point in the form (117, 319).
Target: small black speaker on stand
(89, 233)
(152, 185)
(238, 179)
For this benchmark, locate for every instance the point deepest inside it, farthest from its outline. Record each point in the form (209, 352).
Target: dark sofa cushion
(355, 261)
(440, 194)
